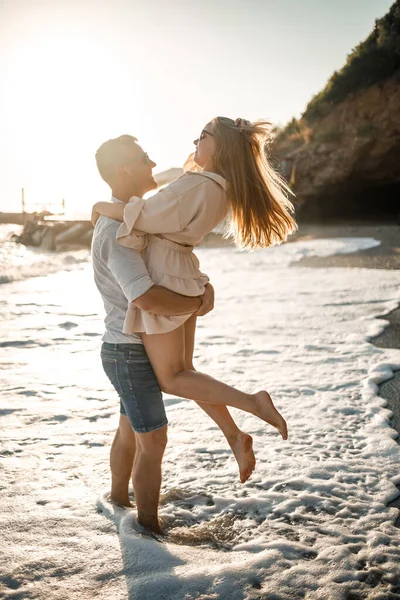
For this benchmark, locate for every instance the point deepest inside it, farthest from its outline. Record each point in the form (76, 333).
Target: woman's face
(205, 147)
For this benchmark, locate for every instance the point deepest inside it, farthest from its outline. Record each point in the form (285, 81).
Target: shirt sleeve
(126, 265)
(158, 214)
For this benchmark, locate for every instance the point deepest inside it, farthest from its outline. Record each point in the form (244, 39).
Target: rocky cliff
(342, 158)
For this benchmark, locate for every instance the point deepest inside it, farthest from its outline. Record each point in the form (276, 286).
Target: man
(121, 277)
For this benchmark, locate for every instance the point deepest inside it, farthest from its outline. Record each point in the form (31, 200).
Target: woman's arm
(113, 210)
(157, 214)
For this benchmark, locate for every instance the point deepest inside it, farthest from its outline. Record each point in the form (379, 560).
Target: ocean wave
(42, 264)
(19, 262)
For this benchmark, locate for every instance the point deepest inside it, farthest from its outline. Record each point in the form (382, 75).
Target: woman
(234, 181)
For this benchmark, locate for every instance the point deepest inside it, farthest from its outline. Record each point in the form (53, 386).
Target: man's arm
(207, 301)
(160, 301)
(129, 270)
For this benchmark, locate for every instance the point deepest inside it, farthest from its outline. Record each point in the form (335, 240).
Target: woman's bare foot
(242, 448)
(266, 410)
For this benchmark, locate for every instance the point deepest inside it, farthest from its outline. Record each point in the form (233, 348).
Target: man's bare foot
(119, 500)
(266, 410)
(151, 525)
(242, 448)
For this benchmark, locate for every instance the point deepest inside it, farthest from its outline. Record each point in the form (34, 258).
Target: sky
(75, 73)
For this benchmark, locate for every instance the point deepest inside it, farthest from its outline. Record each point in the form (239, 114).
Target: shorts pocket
(110, 366)
(108, 354)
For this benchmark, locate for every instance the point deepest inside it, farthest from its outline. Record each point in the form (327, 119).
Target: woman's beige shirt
(165, 228)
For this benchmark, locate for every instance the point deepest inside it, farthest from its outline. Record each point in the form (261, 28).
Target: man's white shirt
(120, 276)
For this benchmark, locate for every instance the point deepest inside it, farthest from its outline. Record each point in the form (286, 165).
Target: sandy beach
(384, 256)
(316, 517)
(390, 390)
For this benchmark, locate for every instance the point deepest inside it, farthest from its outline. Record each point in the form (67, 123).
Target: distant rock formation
(342, 158)
(56, 235)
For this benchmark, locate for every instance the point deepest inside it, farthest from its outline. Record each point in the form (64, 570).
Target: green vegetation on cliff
(373, 60)
(341, 158)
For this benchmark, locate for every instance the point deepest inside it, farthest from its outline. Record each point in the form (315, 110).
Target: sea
(312, 522)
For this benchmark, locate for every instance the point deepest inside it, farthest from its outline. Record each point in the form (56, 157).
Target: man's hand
(207, 301)
(160, 301)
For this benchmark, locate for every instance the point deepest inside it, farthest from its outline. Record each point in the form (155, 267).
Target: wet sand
(291, 525)
(385, 256)
(390, 390)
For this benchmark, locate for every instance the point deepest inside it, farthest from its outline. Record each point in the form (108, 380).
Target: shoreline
(384, 256)
(320, 513)
(390, 389)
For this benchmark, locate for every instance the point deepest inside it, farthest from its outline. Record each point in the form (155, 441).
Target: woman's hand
(95, 214)
(113, 210)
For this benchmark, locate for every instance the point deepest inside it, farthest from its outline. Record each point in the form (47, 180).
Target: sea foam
(311, 522)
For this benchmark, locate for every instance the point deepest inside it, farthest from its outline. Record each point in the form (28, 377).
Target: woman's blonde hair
(261, 213)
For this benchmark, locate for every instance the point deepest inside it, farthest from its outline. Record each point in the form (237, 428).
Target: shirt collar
(217, 178)
(114, 199)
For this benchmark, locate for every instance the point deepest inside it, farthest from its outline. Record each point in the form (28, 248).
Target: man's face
(137, 174)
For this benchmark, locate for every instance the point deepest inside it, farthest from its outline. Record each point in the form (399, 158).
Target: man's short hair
(114, 153)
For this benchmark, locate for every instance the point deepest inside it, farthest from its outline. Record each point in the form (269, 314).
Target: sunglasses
(145, 158)
(203, 132)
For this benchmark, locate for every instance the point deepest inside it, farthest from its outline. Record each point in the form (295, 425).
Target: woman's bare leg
(166, 352)
(241, 443)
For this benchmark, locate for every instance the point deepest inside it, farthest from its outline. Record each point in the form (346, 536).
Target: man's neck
(125, 195)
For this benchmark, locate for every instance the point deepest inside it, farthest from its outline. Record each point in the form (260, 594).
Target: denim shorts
(128, 368)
